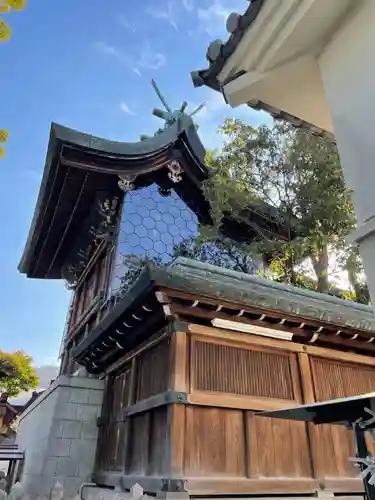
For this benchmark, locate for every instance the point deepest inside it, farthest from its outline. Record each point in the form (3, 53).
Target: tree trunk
(320, 264)
(362, 294)
(292, 275)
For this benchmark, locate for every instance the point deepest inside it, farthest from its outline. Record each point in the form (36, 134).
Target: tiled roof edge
(260, 292)
(209, 76)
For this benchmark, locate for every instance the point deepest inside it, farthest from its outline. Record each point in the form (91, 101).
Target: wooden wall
(136, 443)
(213, 439)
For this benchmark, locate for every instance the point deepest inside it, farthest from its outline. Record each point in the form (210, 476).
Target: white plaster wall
(295, 88)
(59, 435)
(348, 72)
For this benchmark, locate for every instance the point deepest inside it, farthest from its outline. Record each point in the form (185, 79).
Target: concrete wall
(59, 435)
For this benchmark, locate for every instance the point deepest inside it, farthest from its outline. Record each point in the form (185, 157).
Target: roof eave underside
(122, 158)
(207, 284)
(209, 77)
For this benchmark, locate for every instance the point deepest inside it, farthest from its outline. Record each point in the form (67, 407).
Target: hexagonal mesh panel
(151, 227)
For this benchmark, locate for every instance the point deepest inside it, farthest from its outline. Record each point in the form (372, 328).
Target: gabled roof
(197, 292)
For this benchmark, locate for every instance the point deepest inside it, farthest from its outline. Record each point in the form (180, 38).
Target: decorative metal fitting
(175, 171)
(126, 182)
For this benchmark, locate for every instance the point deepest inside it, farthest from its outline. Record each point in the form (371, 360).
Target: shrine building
(165, 360)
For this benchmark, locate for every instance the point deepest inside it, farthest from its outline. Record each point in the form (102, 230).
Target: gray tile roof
(209, 76)
(246, 289)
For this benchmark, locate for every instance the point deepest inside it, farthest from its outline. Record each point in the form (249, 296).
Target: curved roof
(79, 167)
(82, 174)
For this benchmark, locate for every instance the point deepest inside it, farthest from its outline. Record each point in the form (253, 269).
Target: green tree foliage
(17, 373)
(298, 174)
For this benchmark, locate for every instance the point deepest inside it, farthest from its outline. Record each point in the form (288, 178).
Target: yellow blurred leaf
(3, 135)
(5, 31)
(16, 4)
(2, 152)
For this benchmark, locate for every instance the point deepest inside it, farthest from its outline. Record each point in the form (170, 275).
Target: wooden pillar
(131, 397)
(177, 412)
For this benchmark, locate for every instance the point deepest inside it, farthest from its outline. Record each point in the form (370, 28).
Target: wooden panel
(333, 379)
(306, 378)
(215, 442)
(242, 371)
(139, 439)
(112, 434)
(332, 445)
(177, 438)
(247, 339)
(277, 448)
(178, 362)
(158, 442)
(153, 371)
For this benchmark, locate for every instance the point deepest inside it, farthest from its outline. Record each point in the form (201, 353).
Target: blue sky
(87, 64)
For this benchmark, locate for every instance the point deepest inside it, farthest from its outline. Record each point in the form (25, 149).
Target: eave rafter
(190, 307)
(70, 195)
(162, 305)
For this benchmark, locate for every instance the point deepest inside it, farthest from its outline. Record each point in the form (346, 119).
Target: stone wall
(59, 435)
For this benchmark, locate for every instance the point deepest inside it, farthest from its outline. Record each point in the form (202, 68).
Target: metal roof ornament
(171, 116)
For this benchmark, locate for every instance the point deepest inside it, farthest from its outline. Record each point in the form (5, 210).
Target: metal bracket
(163, 399)
(173, 485)
(126, 182)
(101, 421)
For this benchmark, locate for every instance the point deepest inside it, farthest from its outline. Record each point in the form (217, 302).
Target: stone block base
(59, 435)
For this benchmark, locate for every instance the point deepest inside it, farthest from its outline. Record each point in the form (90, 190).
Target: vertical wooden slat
(306, 378)
(176, 445)
(178, 381)
(130, 399)
(158, 457)
(295, 377)
(246, 442)
(153, 371)
(178, 365)
(243, 371)
(251, 442)
(192, 363)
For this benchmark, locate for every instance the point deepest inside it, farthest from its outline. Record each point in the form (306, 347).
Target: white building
(309, 61)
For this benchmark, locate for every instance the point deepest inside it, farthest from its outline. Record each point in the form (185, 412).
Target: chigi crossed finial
(170, 116)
